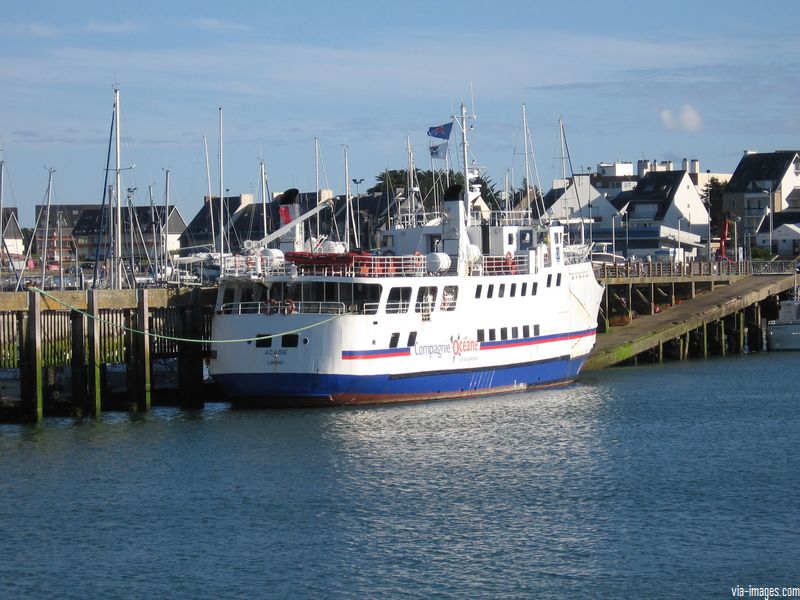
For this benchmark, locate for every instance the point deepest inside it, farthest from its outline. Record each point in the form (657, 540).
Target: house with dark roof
(202, 233)
(146, 232)
(53, 230)
(664, 210)
(781, 233)
(763, 182)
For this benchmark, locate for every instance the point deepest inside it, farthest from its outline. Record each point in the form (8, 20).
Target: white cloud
(218, 25)
(687, 119)
(124, 27)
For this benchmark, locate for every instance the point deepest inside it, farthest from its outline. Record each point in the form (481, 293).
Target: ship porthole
(305, 340)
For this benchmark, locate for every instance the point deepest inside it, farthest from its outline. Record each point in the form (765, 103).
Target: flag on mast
(439, 151)
(441, 131)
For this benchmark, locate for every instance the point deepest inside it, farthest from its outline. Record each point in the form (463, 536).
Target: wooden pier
(686, 311)
(108, 344)
(90, 334)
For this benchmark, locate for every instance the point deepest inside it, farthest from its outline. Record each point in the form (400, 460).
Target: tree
(712, 196)
(425, 180)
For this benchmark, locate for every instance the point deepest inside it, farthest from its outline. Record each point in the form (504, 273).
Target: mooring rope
(172, 338)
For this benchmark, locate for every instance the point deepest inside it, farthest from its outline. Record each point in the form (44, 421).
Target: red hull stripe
(496, 345)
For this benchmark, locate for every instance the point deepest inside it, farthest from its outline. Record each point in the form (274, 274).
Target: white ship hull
(471, 347)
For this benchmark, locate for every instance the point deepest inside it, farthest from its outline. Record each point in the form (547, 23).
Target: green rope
(171, 338)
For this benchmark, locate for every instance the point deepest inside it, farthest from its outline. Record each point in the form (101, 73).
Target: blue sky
(697, 80)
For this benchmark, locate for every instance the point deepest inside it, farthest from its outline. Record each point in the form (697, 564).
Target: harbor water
(668, 481)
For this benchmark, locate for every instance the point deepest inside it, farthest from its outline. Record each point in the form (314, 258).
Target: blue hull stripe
(309, 388)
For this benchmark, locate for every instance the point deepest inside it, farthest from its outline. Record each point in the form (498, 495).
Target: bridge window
(399, 300)
(449, 297)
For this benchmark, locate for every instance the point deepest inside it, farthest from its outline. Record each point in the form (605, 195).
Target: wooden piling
(95, 383)
(31, 376)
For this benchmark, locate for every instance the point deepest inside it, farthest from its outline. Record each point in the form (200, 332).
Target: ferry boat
(464, 304)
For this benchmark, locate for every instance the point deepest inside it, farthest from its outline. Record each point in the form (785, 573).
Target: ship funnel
(290, 196)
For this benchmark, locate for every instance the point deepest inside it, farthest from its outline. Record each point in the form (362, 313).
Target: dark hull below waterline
(306, 390)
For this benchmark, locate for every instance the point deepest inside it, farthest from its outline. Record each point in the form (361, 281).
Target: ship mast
(117, 264)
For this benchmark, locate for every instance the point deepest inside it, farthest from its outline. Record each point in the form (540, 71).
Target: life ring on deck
(273, 306)
(290, 308)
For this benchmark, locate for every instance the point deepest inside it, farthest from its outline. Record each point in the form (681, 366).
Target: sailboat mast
(347, 201)
(263, 181)
(527, 164)
(210, 200)
(43, 252)
(117, 262)
(466, 155)
(221, 196)
(316, 182)
(165, 223)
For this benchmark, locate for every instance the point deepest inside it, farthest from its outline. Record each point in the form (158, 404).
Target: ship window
(263, 341)
(503, 333)
(524, 289)
(480, 335)
(399, 300)
(535, 330)
(289, 340)
(513, 289)
(412, 338)
(490, 291)
(514, 333)
(534, 288)
(526, 331)
(549, 279)
(449, 297)
(558, 279)
(394, 339)
(492, 336)
(510, 239)
(501, 290)
(426, 299)
(478, 291)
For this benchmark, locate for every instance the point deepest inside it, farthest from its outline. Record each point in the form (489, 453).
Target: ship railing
(283, 307)
(509, 264)
(773, 267)
(382, 266)
(642, 268)
(519, 218)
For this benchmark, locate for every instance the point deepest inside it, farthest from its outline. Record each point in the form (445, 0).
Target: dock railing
(638, 269)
